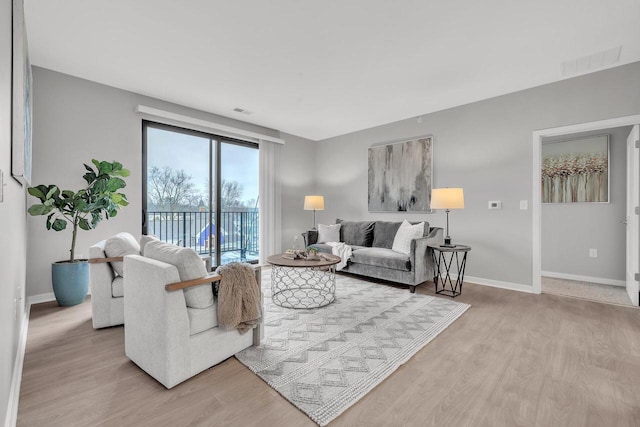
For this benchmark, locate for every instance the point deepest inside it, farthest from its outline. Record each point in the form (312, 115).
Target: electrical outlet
(524, 205)
(593, 253)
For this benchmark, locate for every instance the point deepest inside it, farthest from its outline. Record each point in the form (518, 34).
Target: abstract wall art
(576, 170)
(400, 176)
(22, 103)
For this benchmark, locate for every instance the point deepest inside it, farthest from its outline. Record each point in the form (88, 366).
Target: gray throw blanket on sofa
(239, 302)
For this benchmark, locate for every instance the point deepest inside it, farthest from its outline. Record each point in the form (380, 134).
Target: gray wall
(76, 120)
(569, 230)
(298, 180)
(13, 226)
(486, 148)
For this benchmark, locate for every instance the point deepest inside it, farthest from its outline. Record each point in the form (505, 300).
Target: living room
(484, 140)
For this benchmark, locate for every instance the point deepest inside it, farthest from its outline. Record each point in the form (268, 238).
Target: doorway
(613, 251)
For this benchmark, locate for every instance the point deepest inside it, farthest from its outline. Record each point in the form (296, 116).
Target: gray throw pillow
(122, 244)
(328, 233)
(384, 233)
(356, 233)
(190, 266)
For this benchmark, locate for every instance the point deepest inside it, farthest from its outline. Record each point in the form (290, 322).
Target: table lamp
(447, 198)
(314, 203)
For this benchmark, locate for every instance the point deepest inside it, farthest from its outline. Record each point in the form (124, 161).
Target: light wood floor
(513, 359)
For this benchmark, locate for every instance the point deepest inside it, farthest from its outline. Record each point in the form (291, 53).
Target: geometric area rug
(324, 360)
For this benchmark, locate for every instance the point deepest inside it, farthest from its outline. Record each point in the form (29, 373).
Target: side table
(443, 257)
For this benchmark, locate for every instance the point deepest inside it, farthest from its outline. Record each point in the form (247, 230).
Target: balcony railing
(238, 232)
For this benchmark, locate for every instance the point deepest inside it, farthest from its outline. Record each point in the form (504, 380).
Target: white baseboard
(599, 280)
(37, 299)
(499, 284)
(16, 378)
(40, 298)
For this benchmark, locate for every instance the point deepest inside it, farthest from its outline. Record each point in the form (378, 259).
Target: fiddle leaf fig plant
(84, 208)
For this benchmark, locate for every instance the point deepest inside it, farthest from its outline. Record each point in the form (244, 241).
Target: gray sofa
(371, 243)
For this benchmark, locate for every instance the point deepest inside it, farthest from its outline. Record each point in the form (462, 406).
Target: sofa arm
(310, 237)
(157, 331)
(421, 255)
(435, 236)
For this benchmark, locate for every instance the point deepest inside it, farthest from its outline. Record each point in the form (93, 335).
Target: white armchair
(169, 340)
(107, 302)
(106, 278)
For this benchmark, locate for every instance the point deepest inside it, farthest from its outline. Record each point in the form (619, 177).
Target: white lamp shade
(313, 203)
(447, 198)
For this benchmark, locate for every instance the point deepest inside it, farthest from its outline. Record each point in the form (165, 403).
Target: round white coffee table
(303, 283)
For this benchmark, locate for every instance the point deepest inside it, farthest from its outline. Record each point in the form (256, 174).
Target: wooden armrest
(195, 282)
(109, 259)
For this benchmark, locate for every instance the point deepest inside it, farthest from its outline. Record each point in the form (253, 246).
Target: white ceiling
(325, 68)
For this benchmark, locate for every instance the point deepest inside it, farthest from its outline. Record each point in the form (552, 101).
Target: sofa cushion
(323, 247)
(382, 257)
(117, 287)
(122, 244)
(328, 233)
(358, 233)
(406, 233)
(189, 265)
(201, 319)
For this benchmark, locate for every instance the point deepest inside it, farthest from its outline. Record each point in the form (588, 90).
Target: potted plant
(83, 209)
(312, 253)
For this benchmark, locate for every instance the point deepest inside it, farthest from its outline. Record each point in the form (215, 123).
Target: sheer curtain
(270, 200)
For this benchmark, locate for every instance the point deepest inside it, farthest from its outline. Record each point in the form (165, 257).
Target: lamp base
(447, 243)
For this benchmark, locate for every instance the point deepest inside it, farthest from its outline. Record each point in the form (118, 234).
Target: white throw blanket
(343, 251)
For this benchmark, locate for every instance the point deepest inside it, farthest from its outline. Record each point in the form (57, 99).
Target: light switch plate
(524, 205)
(495, 204)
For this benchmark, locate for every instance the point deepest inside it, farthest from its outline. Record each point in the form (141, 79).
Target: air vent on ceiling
(590, 63)
(242, 110)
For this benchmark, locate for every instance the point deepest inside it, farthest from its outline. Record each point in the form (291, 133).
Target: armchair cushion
(201, 319)
(122, 244)
(144, 239)
(117, 287)
(189, 266)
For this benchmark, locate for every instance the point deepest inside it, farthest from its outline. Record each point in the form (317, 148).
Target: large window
(201, 191)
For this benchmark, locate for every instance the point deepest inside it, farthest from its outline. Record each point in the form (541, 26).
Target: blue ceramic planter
(70, 282)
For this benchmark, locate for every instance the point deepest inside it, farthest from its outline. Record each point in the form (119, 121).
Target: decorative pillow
(384, 233)
(356, 233)
(406, 233)
(146, 239)
(189, 265)
(328, 233)
(122, 244)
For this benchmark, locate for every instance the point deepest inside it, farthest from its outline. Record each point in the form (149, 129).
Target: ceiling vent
(242, 110)
(586, 64)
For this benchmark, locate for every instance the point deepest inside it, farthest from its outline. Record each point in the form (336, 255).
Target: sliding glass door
(201, 191)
